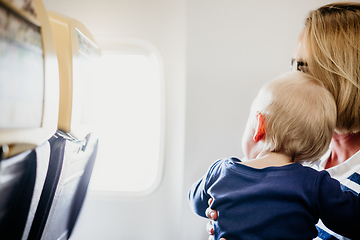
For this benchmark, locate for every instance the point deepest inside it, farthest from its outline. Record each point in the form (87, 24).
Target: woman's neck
(269, 160)
(343, 146)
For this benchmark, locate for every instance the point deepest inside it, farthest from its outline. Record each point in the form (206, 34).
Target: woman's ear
(260, 128)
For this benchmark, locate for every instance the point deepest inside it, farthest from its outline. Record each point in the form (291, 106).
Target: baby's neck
(269, 160)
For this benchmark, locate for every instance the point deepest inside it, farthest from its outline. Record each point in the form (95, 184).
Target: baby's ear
(260, 127)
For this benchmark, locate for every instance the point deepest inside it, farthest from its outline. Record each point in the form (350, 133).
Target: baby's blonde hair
(299, 116)
(332, 51)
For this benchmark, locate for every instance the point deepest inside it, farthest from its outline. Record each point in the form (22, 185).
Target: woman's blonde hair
(332, 51)
(299, 116)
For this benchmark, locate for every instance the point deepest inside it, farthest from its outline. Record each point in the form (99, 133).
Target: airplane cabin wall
(217, 54)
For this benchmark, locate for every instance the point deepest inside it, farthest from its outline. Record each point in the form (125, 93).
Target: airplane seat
(69, 172)
(21, 181)
(17, 181)
(82, 188)
(74, 146)
(29, 103)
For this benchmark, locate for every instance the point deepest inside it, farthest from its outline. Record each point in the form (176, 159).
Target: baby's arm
(198, 196)
(339, 211)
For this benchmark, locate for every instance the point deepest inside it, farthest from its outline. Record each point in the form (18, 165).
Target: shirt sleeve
(339, 211)
(198, 196)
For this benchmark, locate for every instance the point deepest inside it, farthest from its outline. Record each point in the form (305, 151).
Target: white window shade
(128, 110)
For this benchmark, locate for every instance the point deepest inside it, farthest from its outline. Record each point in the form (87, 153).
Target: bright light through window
(128, 112)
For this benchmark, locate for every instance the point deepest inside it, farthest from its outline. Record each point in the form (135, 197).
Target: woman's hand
(212, 214)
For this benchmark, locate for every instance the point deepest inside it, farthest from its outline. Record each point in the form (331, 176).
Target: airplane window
(128, 111)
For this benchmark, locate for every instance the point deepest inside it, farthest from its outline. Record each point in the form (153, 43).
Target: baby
(270, 194)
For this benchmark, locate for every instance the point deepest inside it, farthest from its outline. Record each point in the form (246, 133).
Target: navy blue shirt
(274, 202)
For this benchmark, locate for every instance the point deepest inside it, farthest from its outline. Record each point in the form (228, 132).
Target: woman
(328, 48)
